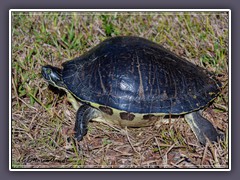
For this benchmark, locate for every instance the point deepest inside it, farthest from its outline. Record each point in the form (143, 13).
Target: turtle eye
(48, 71)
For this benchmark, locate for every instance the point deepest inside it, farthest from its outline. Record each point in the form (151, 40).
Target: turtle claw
(79, 137)
(79, 132)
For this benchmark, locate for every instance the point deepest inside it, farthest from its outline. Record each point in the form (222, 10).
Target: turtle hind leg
(202, 128)
(84, 114)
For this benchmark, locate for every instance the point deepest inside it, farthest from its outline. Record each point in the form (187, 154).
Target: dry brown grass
(42, 118)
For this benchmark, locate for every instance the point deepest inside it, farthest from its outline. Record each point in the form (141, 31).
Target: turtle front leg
(202, 128)
(84, 114)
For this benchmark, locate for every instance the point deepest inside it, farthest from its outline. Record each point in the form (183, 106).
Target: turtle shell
(135, 75)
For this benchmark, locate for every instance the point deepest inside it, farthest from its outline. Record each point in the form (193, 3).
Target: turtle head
(53, 76)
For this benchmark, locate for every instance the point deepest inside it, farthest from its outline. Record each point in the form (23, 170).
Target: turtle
(131, 81)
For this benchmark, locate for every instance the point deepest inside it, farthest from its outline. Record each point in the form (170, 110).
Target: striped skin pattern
(131, 76)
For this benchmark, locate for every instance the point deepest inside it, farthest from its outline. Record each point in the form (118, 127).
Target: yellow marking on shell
(101, 82)
(138, 120)
(141, 89)
(211, 93)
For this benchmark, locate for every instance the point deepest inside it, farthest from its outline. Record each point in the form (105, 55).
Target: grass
(42, 119)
